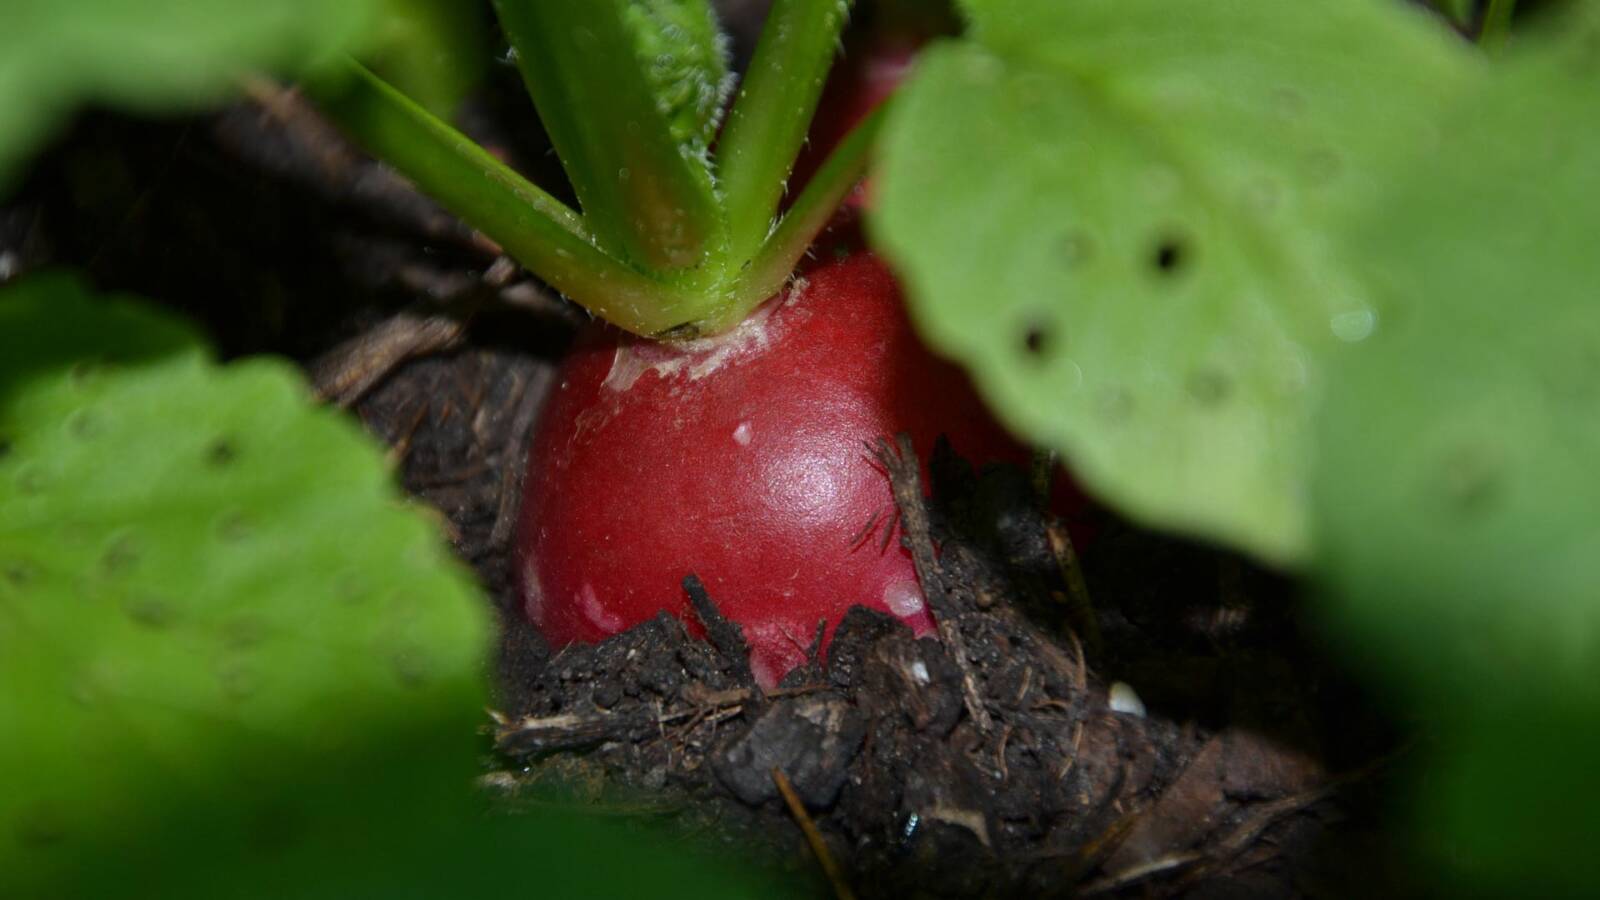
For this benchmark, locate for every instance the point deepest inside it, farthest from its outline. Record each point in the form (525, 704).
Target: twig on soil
(541, 735)
(528, 296)
(1266, 814)
(288, 108)
(1000, 753)
(1223, 850)
(401, 448)
(1072, 758)
(1085, 858)
(572, 731)
(1080, 675)
(1080, 607)
(496, 286)
(724, 635)
(1201, 865)
(1263, 816)
(346, 373)
(905, 479)
(1135, 874)
(819, 847)
(529, 399)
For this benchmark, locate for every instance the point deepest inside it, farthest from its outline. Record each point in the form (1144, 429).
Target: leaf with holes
(1455, 489)
(1117, 213)
(201, 574)
(232, 661)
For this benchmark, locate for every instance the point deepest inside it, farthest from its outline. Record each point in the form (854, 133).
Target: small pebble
(1125, 700)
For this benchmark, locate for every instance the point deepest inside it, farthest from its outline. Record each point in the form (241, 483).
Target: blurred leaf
(1459, 12)
(203, 571)
(150, 55)
(1456, 486)
(435, 51)
(1116, 213)
(233, 661)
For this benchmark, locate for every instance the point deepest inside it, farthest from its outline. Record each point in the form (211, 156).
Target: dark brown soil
(982, 762)
(1240, 781)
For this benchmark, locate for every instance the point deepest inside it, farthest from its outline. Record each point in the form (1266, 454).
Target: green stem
(771, 114)
(648, 201)
(535, 228)
(816, 204)
(1496, 24)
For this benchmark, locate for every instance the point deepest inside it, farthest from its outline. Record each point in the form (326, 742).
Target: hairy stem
(648, 198)
(771, 114)
(816, 204)
(535, 228)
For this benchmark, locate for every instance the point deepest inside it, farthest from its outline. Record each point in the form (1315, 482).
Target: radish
(720, 424)
(741, 458)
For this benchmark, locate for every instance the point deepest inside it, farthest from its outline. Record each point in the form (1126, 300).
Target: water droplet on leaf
(1353, 325)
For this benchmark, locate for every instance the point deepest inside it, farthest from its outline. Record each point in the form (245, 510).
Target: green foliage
(685, 53)
(659, 247)
(770, 119)
(151, 55)
(204, 574)
(647, 195)
(1455, 488)
(436, 51)
(1306, 278)
(161, 56)
(1458, 11)
(530, 224)
(233, 662)
(1117, 214)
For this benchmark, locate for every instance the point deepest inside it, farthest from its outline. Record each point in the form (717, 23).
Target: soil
(985, 761)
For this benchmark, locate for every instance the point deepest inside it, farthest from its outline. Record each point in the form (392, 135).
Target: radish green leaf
(233, 660)
(152, 55)
(1118, 214)
(1455, 487)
